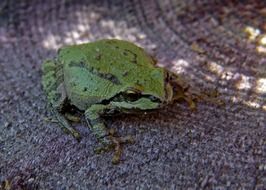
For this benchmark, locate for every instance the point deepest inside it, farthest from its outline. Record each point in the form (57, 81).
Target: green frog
(107, 77)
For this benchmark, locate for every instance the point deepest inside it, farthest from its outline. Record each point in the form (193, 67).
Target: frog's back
(97, 71)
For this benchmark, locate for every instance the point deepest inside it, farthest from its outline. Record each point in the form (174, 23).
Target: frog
(105, 78)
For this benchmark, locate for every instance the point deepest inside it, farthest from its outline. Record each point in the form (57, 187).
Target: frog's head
(160, 88)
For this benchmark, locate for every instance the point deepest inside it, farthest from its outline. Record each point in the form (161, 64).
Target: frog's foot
(188, 98)
(112, 142)
(191, 102)
(67, 128)
(209, 99)
(211, 96)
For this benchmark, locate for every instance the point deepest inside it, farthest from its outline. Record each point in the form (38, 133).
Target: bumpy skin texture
(103, 78)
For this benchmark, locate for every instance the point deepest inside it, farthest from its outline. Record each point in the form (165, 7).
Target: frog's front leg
(106, 137)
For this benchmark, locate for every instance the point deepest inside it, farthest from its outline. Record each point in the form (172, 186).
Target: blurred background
(218, 46)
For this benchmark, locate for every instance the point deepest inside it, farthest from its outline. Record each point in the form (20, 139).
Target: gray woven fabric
(215, 147)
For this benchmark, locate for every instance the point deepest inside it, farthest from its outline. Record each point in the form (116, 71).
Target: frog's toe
(104, 147)
(118, 142)
(73, 132)
(191, 103)
(115, 143)
(76, 135)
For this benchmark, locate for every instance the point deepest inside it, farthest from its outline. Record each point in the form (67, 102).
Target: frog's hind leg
(107, 137)
(60, 99)
(53, 85)
(65, 125)
(187, 98)
(73, 118)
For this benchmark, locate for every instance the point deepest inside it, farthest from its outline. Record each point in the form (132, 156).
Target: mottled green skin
(106, 77)
(99, 71)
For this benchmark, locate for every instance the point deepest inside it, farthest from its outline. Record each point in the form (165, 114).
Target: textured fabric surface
(215, 45)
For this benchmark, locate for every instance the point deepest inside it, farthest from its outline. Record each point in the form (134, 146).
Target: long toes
(114, 143)
(116, 157)
(100, 150)
(119, 141)
(76, 136)
(118, 151)
(104, 148)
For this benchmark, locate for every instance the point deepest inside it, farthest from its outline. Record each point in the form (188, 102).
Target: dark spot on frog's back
(98, 57)
(110, 77)
(125, 74)
(128, 52)
(85, 89)
(77, 64)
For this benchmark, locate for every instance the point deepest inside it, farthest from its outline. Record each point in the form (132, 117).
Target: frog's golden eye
(132, 94)
(133, 91)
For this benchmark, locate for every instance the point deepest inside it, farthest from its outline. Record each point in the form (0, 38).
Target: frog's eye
(130, 92)
(133, 97)
(133, 94)
(133, 91)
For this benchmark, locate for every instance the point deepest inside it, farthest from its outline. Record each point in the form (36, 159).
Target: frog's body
(106, 77)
